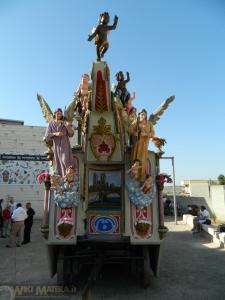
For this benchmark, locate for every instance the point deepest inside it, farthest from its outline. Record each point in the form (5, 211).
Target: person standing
(1, 219)
(6, 221)
(28, 223)
(18, 217)
(12, 205)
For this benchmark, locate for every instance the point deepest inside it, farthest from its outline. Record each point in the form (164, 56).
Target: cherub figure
(55, 183)
(81, 95)
(84, 85)
(69, 177)
(134, 171)
(100, 34)
(147, 185)
(121, 90)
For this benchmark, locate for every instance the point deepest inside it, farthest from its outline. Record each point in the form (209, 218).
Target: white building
(21, 160)
(210, 191)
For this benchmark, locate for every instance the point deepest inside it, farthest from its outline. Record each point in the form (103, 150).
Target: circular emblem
(104, 224)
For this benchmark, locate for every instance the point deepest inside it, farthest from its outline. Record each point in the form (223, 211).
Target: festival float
(103, 198)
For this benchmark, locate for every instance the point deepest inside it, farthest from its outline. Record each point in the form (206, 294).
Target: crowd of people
(15, 222)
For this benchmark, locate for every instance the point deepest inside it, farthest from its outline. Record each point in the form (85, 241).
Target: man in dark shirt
(28, 222)
(1, 219)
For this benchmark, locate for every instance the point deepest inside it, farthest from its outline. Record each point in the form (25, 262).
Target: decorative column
(46, 197)
(161, 205)
(45, 225)
(161, 179)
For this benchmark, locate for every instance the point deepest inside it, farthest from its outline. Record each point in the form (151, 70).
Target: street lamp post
(174, 191)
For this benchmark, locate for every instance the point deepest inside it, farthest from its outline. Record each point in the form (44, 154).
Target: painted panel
(104, 189)
(65, 226)
(21, 172)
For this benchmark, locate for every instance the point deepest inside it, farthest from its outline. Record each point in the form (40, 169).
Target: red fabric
(6, 214)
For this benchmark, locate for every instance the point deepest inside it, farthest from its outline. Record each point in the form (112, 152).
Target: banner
(21, 171)
(23, 157)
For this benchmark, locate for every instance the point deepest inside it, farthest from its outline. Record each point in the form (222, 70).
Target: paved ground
(191, 268)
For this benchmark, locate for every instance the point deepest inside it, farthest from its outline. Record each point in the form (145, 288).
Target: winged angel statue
(155, 116)
(142, 131)
(57, 135)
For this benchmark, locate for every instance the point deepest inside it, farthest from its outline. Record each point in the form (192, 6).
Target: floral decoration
(44, 177)
(159, 142)
(161, 179)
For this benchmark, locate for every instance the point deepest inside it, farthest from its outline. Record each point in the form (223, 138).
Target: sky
(170, 47)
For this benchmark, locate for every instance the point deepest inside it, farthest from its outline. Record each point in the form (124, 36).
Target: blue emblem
(104, 224)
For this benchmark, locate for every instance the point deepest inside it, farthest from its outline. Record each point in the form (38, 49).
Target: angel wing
(155, 116)
(69, 111)
(48, 115)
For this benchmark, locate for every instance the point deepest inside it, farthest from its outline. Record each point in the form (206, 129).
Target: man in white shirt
(203, 215)
(18, 217)
(202, 218)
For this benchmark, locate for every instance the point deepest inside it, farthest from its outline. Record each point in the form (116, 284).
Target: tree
(221, 179)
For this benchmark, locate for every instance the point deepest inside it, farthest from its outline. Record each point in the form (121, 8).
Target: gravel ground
(190, 268)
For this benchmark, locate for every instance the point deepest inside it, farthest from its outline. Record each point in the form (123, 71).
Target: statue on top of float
(136, 127)
(57, 135)
(64, 172)
(139, 181)
(136, 130)
(100, 33)
(141, 131)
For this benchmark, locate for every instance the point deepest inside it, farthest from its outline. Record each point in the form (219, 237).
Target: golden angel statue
(142, 131)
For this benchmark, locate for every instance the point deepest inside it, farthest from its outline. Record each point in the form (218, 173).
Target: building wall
(16, 138)
(199, 189)
(20, 139)
(25, 193)
(208, 193)
(24, 139)
(218, 201)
